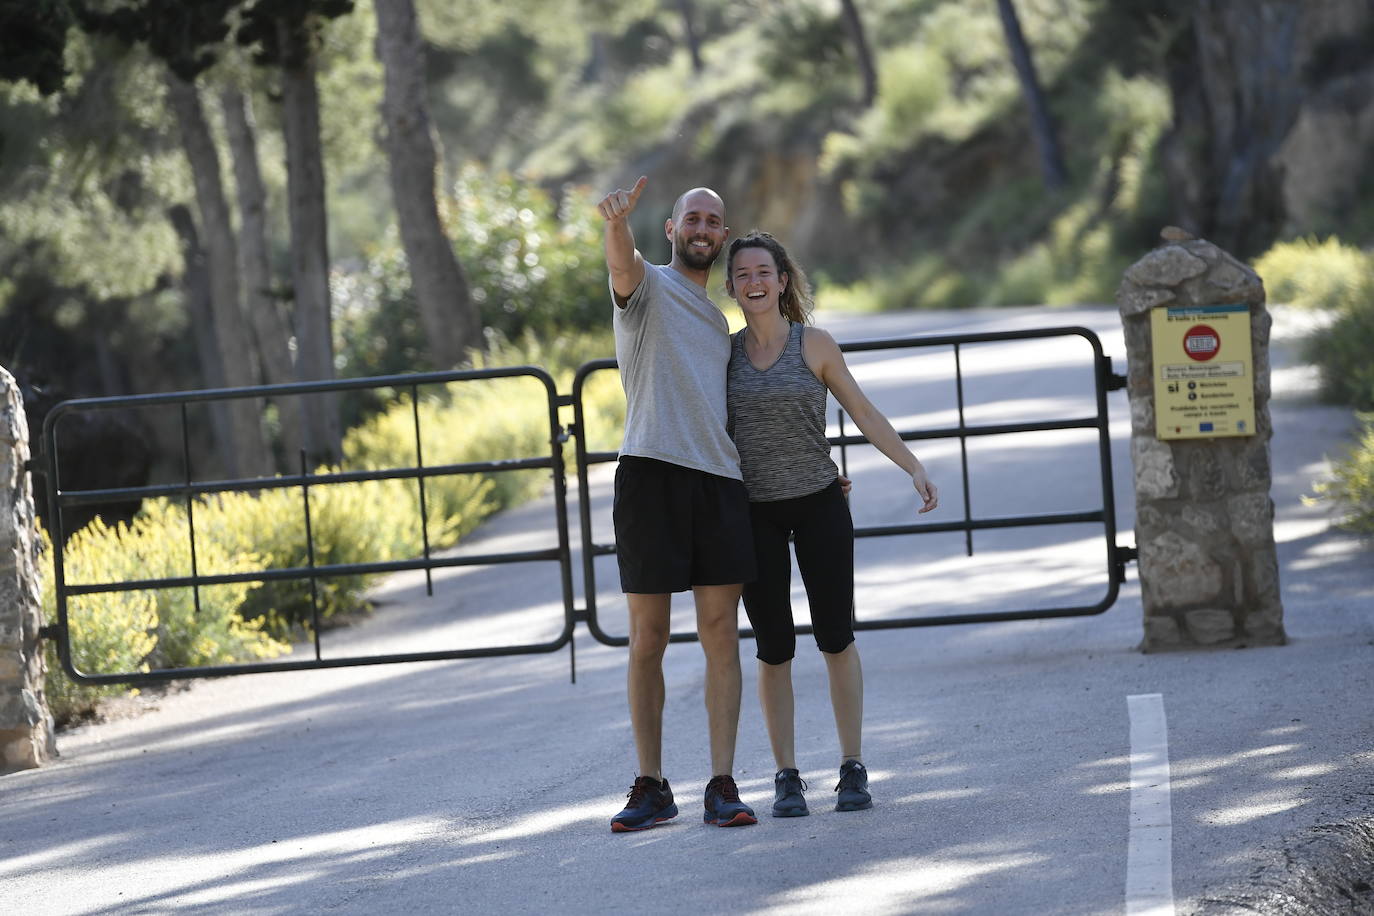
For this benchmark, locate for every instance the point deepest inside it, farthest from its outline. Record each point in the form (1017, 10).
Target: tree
(245, 451)
(284, 34)
(689, 32)
(33, 37)
(447, 312)
(1042, 123)
(184, 36)
(855, 26)
(1234, 76)
(271, 331)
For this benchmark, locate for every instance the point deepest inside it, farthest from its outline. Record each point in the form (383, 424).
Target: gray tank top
(777, 418)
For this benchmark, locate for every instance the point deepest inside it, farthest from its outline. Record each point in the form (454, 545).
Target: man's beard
(697, 258)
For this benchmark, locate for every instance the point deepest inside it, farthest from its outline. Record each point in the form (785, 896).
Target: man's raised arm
(623, 260)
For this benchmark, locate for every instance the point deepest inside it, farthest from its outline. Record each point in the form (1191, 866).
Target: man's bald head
(697, 230)
(698, 198)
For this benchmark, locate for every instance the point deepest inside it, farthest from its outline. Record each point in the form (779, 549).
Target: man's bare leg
(644, 679)
(718, 628)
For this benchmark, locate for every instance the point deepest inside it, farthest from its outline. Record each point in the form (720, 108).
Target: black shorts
(823, 536)
(676, 527)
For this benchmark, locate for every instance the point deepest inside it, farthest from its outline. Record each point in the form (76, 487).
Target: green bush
(352, 522)
(532, 265)
(1352, 485)
(1344, 353)
(1338, 278)
(121, 632)
(1317, 274)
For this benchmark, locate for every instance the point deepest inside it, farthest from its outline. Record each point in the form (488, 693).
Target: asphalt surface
(1000, 753)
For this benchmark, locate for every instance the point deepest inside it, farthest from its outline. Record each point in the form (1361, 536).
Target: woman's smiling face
(754, 281)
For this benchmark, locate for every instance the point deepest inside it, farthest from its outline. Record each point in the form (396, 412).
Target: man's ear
(668, 229)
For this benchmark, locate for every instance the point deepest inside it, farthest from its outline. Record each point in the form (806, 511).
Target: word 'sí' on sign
(1204, 376)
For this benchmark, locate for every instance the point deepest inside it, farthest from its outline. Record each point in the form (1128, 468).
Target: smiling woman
(779, 374)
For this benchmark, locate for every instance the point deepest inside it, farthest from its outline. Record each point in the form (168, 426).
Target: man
(681, 512)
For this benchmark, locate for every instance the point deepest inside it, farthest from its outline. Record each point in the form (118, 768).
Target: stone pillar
(1209, 572)
(26, 726)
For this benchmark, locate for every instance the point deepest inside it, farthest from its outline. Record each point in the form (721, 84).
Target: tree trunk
(689, 31)
(1237, 92)
(1042, 124)
(309, 244)
(855, 25)
(271, 330)
(447, 312)
(248, 452)
(196, 283)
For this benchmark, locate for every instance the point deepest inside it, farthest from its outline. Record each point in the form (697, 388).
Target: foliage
(1337, 278)
(373, 521)
(120, 632)
(33, 36)
(184, 35)
(1351, 488)
(534, 267)
(1342, 351)
(300, 21)
(1312, 273)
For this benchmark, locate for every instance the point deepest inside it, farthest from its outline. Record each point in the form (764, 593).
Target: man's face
(698, 229)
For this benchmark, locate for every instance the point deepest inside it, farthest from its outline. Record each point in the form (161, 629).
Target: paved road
(1001, 754)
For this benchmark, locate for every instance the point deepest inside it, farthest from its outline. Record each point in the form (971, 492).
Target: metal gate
(191, 489)
(1117, 556)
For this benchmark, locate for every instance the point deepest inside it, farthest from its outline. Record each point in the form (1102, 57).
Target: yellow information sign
(1204, 377)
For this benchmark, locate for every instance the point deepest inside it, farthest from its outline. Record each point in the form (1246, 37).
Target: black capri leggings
(824, 538)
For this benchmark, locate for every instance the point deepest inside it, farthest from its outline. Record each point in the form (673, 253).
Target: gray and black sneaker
(853, 787)
(723, 805)
(788, 800)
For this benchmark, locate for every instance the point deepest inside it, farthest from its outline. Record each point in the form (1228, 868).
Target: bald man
(681, 512)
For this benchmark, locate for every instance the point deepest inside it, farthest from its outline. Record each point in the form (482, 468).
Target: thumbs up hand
(620, 203)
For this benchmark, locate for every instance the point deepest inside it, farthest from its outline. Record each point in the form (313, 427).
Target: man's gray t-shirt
(673, 346)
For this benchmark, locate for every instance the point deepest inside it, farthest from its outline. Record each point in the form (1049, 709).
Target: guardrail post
(1197, 339)
(26, 725)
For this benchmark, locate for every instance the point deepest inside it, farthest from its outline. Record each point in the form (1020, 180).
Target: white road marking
(1149, 853)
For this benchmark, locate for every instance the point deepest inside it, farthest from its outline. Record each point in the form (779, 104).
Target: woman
(779, 373)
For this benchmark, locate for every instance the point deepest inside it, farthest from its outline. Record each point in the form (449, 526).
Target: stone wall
(1204, 517)
(26, 727)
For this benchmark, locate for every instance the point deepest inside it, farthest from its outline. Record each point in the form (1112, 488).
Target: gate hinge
(36, 465)
(1121, 555)
(50, 631)
(563, 400)
(1112, 381)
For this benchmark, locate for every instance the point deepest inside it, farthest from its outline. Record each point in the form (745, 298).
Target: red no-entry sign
(1201, 342)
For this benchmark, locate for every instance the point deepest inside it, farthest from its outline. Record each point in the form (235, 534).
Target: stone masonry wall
(26, 727)
(1204, 518)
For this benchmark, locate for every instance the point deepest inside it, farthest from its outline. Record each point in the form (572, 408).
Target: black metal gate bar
(1104, 380)
(585, 459)
(60, 500)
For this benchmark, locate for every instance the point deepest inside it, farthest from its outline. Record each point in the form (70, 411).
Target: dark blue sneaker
(853, 787)
(651, 802)
(788, 800)
(723, 807)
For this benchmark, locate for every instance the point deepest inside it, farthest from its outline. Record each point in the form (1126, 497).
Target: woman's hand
(924, 488)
